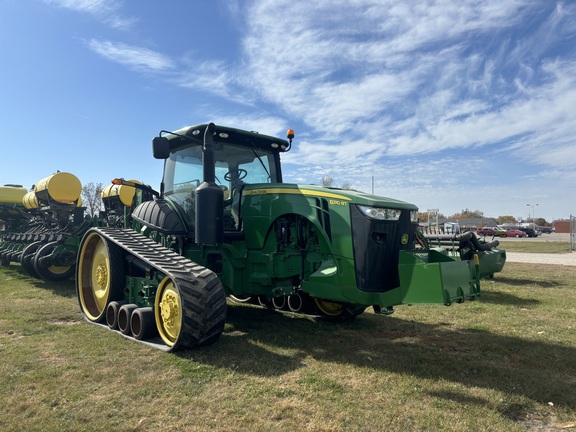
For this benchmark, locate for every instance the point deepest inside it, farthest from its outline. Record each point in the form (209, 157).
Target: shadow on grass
(496, 297)
(65, 288)
(266, 343)
(529, 282)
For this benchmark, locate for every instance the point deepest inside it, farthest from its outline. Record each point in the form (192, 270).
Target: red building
(561, 226)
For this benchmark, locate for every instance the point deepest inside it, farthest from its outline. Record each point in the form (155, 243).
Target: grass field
(502, 363)
(525, 245)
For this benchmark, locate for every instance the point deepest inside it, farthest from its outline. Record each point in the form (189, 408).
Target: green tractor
(225, 225)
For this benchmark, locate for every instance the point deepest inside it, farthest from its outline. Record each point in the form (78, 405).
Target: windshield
(235, 166)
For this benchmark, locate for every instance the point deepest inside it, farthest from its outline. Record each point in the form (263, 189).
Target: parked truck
(224, 224)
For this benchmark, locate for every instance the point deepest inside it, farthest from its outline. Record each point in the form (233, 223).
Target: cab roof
(224, 134)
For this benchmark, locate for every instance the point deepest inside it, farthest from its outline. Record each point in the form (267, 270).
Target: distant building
(471, 224)
(561, 226)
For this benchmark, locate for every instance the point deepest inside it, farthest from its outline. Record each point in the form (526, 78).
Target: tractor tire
(336, 310)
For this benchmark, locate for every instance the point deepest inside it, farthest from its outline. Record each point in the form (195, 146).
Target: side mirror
(161, 147)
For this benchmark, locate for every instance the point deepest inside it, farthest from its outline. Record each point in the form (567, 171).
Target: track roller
(142, 323)
(265, 302)
(124, 315)
(280, 303)
(300, 302)
(241, 299)
(112, 314)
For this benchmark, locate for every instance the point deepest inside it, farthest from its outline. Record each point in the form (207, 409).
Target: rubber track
(202, 294)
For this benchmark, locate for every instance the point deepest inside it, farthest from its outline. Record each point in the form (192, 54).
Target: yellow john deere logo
(404, 239)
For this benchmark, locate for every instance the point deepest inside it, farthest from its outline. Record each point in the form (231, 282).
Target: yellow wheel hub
(101, 276)
(329, 308)
(168, 311)
(94, 277)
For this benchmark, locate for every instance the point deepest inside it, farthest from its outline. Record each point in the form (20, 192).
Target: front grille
(377, 245)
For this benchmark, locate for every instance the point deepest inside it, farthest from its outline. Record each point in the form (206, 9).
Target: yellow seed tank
(62, 187)
(12, 194)
(114, 195)
(30, 201)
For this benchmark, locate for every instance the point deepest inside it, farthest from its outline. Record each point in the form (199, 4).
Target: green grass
(525, 245)
(503, 363)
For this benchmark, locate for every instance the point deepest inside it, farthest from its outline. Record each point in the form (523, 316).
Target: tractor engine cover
(160, 217)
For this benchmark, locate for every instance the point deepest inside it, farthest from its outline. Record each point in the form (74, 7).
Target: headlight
(413, 216)
(380, 213)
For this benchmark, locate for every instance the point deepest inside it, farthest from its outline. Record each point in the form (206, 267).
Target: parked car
(546, 230)
(515, 233)
(530, 232)
(491, 231)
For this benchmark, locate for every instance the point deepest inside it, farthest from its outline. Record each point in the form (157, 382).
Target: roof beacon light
(290, 136)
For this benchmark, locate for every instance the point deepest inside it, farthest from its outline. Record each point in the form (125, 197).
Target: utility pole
(533, 214)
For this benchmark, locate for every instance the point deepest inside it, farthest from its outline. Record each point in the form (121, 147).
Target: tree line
(477, 214)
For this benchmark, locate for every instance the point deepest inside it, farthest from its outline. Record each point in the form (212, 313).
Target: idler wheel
(99, 276)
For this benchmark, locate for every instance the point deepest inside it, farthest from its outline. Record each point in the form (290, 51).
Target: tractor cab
(205, 170)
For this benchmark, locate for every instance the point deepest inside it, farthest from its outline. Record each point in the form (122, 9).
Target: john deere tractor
(225, 225)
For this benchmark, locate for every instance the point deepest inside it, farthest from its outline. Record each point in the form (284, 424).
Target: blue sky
(447, 104)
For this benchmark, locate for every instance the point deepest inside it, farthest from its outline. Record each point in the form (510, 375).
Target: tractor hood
(335, 195)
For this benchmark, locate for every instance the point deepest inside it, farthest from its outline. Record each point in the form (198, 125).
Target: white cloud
(374, 81)
(138, 58)
(541, 124)
(107, 11)
(213, 76)
(413, 78)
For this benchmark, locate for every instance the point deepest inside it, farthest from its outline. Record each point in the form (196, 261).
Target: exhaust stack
(209, 197)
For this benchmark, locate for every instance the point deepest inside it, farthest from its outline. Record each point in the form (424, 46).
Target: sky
(450, 105)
